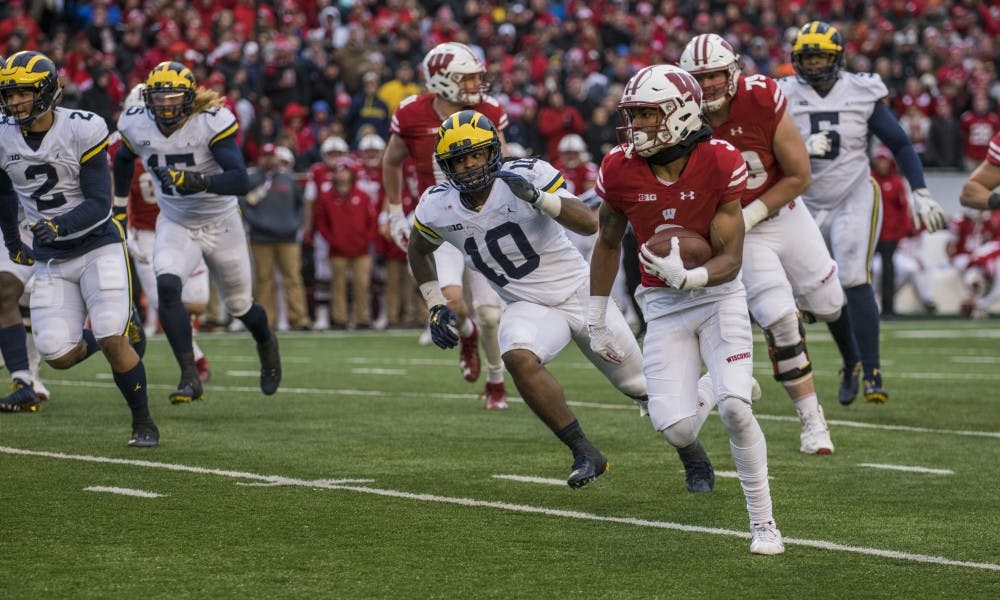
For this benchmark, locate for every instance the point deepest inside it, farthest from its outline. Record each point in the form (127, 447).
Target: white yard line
(517, 508)
(123, 491)
(377, 371)
(907, 469)
(530, 479)
(243, 373)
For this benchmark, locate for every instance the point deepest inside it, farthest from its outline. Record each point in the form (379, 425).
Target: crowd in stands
(298, 73)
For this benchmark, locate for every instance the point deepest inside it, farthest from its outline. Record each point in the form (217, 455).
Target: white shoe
(765, 538)
(815, 434)
(322, 321)
(425, 337)
(40, 390)
(381, 323)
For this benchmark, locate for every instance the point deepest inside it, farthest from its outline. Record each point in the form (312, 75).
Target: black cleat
(187, 392)
(144, 435)
(270, 365)
(586, 469)
(874, 392)
(136, 334)
(699, 476)
(21, 399)
(849, 384)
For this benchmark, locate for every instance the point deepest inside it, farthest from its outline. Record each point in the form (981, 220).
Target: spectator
(944, 138)
(978, 125)
(600, 133)
(556, 120)
(368, 109)
(273, 209)
(399, 88)
(896, 222)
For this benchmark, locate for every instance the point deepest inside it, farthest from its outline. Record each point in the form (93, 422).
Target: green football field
(375, 472)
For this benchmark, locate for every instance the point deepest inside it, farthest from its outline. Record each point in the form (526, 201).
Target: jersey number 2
(51, 179)
(493, 237)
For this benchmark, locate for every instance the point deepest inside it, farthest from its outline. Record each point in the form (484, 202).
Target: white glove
(818, 144)
(399, 226)
(602, 340)
(926, 211)
(670, 268)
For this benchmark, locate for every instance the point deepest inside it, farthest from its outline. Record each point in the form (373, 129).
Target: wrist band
(993, 201)
(431, 291)
(549, 204)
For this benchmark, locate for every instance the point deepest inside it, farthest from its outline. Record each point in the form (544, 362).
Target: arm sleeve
(124, 169)
(886, 128)
(8, 212)
(95, 183)
(233, 179)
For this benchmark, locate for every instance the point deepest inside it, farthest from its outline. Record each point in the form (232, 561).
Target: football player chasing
(835, 112)
(671, 172)
(786, 264)
(186, 138)
(54, 160)
(509, 219)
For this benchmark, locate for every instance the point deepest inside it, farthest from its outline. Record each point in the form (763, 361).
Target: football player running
(509, 220)
(54, 160)
(835, 112)
(186, 138)
(785, 261)
(671, 172)
(454, 76)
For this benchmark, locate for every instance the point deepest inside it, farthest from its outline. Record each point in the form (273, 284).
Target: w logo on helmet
(438, 63)
(685, 84)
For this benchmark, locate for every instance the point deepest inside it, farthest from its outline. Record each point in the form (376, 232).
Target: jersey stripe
(873, 227)
(128, 144)
(993, 154)
(228, 131)
(555, 184)
(94, 151)
(427, 231)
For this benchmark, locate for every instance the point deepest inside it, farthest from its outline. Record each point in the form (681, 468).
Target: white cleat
(425, 337)
(40, 390)
(765, 538)
(815, 434)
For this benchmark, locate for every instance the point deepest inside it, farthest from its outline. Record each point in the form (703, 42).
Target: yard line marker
(123, 491)
(976, 360)
(625, 405)
(243, 373)
(518, 508)
(377, 371)
(907, 469)
(530, 479)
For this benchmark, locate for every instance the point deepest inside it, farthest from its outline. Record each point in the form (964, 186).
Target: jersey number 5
(170, 160)
(493, 237)
(824, 121)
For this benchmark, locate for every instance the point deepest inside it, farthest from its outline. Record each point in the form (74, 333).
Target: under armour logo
(736, 131)
(687, 195)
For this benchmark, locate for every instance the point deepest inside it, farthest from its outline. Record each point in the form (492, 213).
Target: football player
(185, 138)
(671, 172)
(980, 189)
(454, 76)
(785, 260)
(509, 220)
(54, 161)
(835, 112)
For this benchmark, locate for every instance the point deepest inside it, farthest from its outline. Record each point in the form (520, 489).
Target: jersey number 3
(493, 237)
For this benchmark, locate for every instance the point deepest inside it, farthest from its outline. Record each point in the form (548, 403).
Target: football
(695, 249)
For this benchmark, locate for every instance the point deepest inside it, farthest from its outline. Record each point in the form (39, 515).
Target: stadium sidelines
(517, 508)
(451, 396)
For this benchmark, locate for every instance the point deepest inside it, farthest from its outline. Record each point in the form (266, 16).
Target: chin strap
(669, 155)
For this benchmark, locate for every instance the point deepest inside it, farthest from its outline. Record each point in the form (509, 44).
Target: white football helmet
(573, 150)
(674, 93)
(707, 53)
(134, 97)
(445, 66)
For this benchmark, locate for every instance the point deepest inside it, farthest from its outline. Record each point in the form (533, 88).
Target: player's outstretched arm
(577, 216)
(607, 250)
(978, 190)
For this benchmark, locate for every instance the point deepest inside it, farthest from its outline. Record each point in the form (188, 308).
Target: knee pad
(681, 434)
(786, 346)
(169, 288)
(735, 413)
(238, 305)
(489, 317)
(53, 343)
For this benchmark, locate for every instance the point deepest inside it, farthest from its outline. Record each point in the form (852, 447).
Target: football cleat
(586, 469)
(765, 538)
(468, 357)
(699, 476)
(204, 372)
(136, 334)
(187, 392)
(815, 434)
(144, 435)
(849, 384)
(496, 396)
(874, 392)
(21, 399)
(41, 390)
(270, 365)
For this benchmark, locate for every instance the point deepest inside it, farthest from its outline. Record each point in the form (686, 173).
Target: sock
(91, 341)
(494, 374)
(467, 328)
(806, 404)
(693, 452)
(132, 384)
(189, 372)
(14, 345)
(843, 335)
(572, 435)
(177, 326)
(865, 323)
(256, 321)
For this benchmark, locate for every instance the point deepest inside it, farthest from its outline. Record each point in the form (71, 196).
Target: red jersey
(993, 151)
(347, 223)
(142, 207)
(978, 131)
(580, 179)
(754, 114)
(896, 220)
(416, 123)
(714, 175)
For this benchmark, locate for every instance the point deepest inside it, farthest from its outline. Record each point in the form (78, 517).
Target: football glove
(45, 232)
(520, 186)
(602, 342)
(818, 144)
(399, 229)
(670, 269)
(20, 255)
(185, 182)
(444, 326)
(926, 211)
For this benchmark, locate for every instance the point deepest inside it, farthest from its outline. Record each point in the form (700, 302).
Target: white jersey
(188, 148)
(524, 253)
(47, 180)
(844, 112)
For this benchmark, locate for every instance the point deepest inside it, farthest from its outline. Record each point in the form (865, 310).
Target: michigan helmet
(818, 39)
(169, 93)
(709, 53)
(675, 94)
(444, 68)
(28, 71)
(464, 133)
